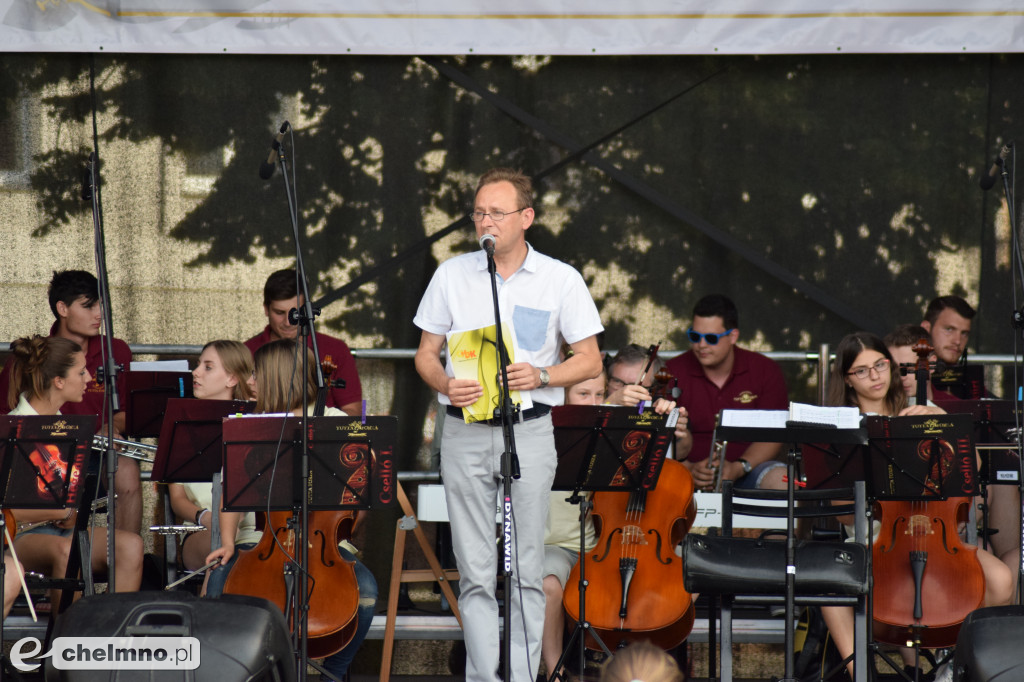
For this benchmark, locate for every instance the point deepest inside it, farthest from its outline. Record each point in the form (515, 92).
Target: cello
(634, 570)
(919, 560)
(260, 572)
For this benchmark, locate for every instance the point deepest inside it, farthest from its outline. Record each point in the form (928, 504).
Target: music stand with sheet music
(44, 459)
(148, 393)
(606, 448)
(920, 457)
(895, 464)
(796, 435)
(43, 467)
(351, 463)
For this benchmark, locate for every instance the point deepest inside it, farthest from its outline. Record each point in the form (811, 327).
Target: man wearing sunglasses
(715, 375)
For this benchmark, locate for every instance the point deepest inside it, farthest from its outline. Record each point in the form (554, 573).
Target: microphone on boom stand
(267, 167)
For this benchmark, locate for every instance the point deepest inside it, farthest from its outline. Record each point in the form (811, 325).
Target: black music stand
(796, 435)
(148, 393)
(996, 431)
(190, 445)
(995, 438)
(966, 382)
(42, 467)
(350, 466)
(604, 448)
(44, 459)
(190, 439)
(351, 463)
(920, 457)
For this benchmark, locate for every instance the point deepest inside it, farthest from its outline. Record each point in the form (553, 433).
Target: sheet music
(840, 417)
(160, 366)
(673, 418)
(764, 419)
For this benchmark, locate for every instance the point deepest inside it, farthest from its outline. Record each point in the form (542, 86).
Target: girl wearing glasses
(865, 376)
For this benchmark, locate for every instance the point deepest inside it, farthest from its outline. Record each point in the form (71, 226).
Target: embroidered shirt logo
(745, 398)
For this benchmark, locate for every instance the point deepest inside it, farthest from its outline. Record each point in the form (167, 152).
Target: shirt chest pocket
(531, 327)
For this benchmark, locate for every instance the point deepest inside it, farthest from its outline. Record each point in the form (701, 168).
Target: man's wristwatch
(545, 378)
(746, 466)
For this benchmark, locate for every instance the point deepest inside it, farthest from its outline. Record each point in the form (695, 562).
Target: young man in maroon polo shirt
(75, 302)
(280, 294)
(714, 375)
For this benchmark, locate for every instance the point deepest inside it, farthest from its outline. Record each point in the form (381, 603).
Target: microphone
(267, 167)
(487, 244)
(87, 178)
(87, 184)
(989, 179)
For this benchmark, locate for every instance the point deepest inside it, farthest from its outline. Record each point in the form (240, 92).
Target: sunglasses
(712, 339)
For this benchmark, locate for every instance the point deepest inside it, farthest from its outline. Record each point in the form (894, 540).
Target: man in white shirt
(547, 303)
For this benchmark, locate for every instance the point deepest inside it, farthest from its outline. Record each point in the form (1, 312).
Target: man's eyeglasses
(711, 338)
(496, 216)
(880, 367)
(615, 383)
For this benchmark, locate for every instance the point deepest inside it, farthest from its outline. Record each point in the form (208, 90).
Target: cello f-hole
(607, 547)
(323, 549)
(895, 526)
(657, 547)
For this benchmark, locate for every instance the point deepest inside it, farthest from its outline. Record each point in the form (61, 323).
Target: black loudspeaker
(989, 646)
(243, 639)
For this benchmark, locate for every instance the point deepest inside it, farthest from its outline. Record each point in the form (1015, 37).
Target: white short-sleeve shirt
(546, 300)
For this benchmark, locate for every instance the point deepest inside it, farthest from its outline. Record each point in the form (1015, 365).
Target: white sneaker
(944, 673)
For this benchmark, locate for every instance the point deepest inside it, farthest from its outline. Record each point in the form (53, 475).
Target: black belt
(538, 410)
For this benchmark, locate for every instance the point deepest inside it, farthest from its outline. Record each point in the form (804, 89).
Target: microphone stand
(509, 467)
(304, 319)
(107, 372)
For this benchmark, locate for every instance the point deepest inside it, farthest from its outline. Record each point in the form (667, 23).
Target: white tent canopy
(553, 27)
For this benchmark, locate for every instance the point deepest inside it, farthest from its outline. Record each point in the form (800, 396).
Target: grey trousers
(471, 468)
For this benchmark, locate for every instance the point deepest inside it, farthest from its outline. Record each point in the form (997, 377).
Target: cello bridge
(633, 535)
(919, 524)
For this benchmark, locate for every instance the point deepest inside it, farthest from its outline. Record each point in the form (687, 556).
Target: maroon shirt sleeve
(123, 357)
